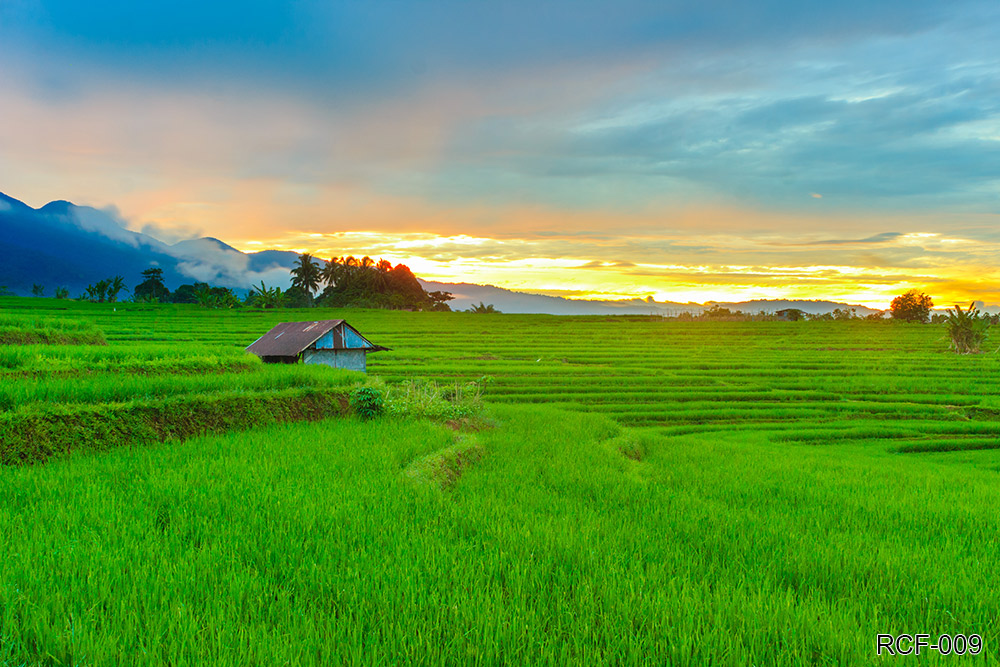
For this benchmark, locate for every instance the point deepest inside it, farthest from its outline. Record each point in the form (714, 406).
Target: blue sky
(708, 150)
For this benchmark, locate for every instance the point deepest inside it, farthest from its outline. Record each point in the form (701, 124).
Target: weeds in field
(427, 398)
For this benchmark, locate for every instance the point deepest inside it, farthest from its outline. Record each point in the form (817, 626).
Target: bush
(367, 402)
(968, 329)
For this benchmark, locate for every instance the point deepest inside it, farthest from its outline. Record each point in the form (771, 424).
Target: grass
(648, 492)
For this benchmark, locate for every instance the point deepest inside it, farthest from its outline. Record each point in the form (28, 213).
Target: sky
(686, 151)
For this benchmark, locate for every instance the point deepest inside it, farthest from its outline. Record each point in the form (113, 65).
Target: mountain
(509, 301)
(61, 244)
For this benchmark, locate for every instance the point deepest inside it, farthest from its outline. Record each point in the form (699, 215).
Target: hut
(330, 342)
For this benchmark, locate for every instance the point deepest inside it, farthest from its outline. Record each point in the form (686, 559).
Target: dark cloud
(885, 237)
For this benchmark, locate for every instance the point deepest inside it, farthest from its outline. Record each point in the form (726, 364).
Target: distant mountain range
(64, 245)
(61, 244)
(509, 301)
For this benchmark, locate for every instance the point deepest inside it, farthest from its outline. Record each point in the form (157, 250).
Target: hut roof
(289, 338)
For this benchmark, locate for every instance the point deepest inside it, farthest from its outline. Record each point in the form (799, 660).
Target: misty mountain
(61, 244)
(509, 301)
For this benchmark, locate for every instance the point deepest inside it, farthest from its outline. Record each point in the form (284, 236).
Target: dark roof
(289, 338)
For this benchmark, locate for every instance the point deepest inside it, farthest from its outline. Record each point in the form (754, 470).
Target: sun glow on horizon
(530, 265)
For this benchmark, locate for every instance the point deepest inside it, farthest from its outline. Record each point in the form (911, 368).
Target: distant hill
(510, 301)
(61, 244)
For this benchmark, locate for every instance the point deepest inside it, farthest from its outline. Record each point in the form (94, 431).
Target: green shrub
(367, 402)
(968, 329)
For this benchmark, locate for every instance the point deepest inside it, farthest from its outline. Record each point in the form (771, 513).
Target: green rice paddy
(651, 492)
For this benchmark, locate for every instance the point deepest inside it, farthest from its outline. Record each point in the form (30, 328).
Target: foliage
(482, 309)
(429, 399)
(367, 402)
(262, 296)
(104, 290)
(306, 274)
(62, 293)
(911, 306)
(967, 328)
(718, 312)
(365, 283)
(205, 295)
(439, 301)
(37, 290)
(152, 289)
(298, 297)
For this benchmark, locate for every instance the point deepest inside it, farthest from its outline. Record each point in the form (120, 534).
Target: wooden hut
(329, 342)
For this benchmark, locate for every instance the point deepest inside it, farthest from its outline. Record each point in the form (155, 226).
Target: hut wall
(352, 360)
(340, 338)
(352, 339)
(328, 342)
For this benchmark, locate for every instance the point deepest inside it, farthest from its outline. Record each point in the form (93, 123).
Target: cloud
(206, 260)
(171, 233)
(106, 222)
(885, 237)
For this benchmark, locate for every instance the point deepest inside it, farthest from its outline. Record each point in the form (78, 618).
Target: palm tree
(381, 274)
(481, 309)
(116, 285)
(331, 271)
(306, 273)
(98, 292)
(205, 297)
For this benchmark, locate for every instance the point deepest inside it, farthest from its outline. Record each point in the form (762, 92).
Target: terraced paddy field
(649, 492)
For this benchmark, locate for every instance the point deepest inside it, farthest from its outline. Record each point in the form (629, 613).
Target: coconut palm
(331, 271)
(306, 273)
(115, 285)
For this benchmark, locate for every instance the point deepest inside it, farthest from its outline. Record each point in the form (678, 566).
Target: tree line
(345, 282)
(360, 283)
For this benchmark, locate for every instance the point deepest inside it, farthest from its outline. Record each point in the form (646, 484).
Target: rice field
(651, 492)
